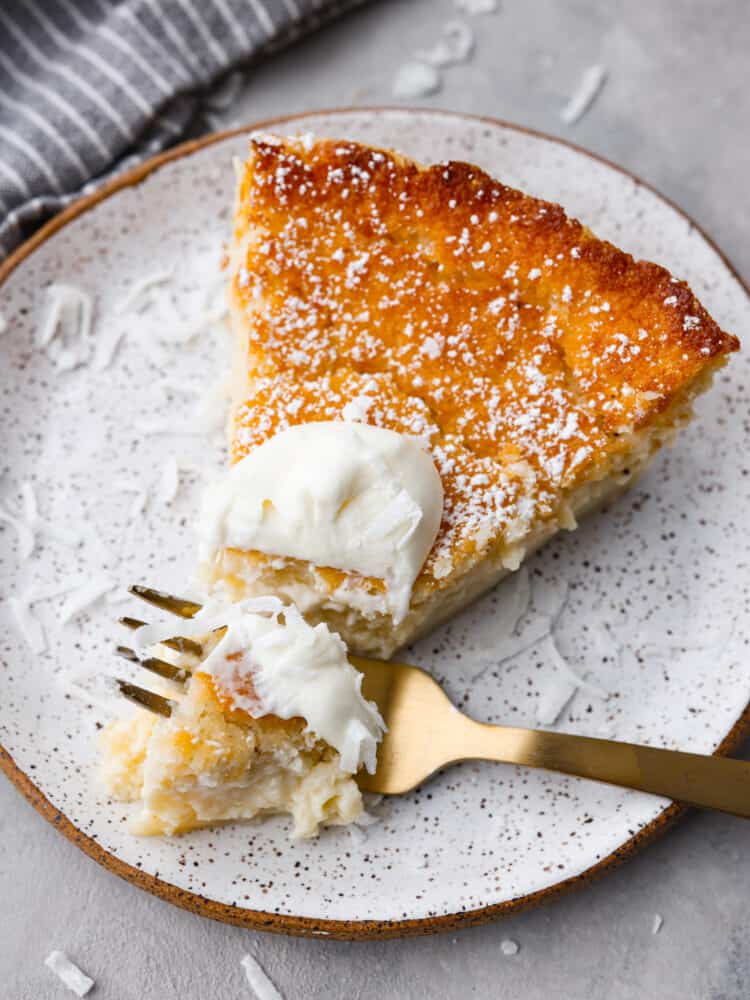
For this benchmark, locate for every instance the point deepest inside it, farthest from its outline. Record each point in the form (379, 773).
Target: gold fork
(426, 732)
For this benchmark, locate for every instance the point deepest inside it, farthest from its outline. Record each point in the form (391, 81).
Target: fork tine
(178, 642)
(167, 602)
(127, 653)
(155, 665)
(145, 698)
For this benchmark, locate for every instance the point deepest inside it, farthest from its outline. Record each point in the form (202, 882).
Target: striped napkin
(90, 87)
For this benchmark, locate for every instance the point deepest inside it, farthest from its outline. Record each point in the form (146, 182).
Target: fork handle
(699, 780)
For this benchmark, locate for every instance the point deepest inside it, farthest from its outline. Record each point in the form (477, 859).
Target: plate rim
(314, 926)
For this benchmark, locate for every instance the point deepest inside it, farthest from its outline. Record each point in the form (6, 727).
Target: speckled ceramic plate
(648, 597)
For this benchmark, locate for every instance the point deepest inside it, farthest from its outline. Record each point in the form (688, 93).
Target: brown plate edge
(312, 926)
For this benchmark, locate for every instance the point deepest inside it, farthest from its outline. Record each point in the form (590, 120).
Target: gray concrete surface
(675, 110)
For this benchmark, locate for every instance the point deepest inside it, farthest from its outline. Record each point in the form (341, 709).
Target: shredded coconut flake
(211, 408)
(169, 482)
(416, 79)
(141, 292)
(586, 93)
(509, 947)
(31, 628)
(455, 46)
(178, 331)
(657, 923)
(84, 597)
(106, 348)
(358, 835)
(140, 496)
(24, 530)
(555, 695)
(477, 6)
(69, 973)
(48, 592)
(259, 982)
(65, 333)
(366, 819)
(3, 325)
(567, 671)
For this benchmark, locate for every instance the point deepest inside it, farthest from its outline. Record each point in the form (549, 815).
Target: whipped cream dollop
(343, 495)
(269, 661)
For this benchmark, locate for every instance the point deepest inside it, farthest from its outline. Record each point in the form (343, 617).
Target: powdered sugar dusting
(364, 310)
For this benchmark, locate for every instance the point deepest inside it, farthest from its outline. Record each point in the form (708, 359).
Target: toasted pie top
(438, 302)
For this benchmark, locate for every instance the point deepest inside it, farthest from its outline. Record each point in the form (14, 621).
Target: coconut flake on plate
(557, 686)
(49, 591)
(211, 408)
(259, 982)
(555, 695)
(536, 630)
(140, 496)
(181, 331)
(28, 625)
(366, 819)
(169, 482)
(3, 325)
(549, 597)
(585, 94)
(140, 295)
(65, 333)
(29, 524)
(69, 973)
(513, 603)
(84, 597)
(416, 79)
(566, 670)
(106, 348)
(656, 923)
(455, 46)
(356, 833)
(509, 947)
(24, 531)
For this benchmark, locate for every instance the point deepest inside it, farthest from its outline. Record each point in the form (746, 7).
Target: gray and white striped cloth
(88, 87)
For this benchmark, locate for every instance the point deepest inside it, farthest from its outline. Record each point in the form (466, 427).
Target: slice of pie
(542, 367)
